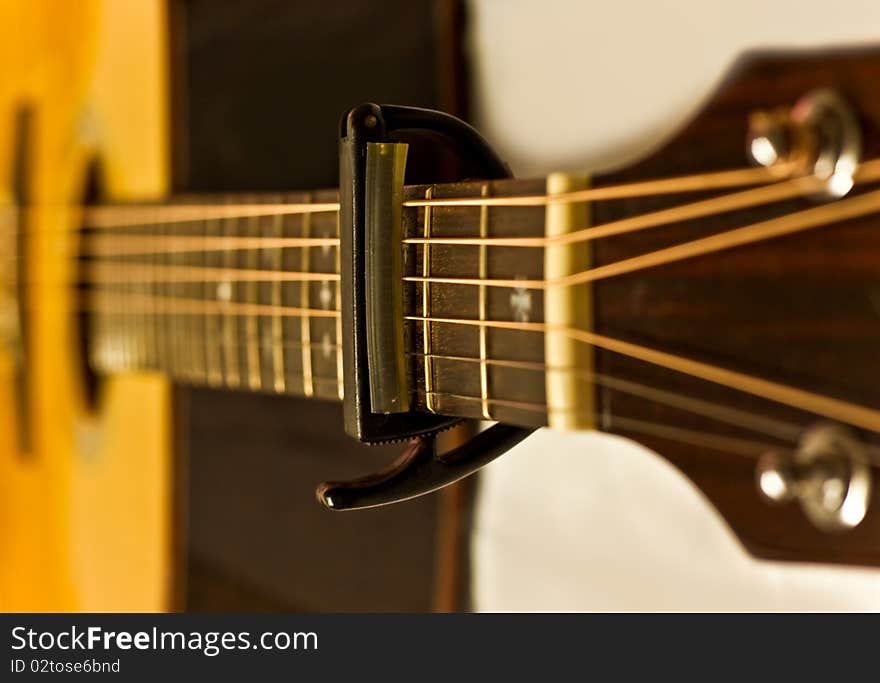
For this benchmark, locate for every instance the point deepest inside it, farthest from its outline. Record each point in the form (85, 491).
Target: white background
(587, 85)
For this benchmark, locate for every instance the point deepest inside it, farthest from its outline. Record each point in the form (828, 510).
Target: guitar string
(827, 406)
(830, 407)
(818, 404)
(101, 272)
(131, 215)
(778, 429)
(137, 215)
(125, 245)
(131, 244)
(699, 182)
(115, 245)
(772, 427)
(796, 221)
(136, 245)
(98, 301)
(767, 194)
(850, 413)
(729, 444)
(101, 217)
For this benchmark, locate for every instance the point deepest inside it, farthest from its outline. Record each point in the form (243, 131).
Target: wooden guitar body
(85, 502)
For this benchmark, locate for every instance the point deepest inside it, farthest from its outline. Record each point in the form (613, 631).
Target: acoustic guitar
(716, 302)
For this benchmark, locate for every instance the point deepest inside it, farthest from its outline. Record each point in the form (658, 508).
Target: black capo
(367, 277)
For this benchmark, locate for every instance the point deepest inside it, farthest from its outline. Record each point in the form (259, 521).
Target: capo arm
(420, 470)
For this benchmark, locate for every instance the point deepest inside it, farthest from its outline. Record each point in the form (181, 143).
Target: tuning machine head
(819, 135)
(829, 475)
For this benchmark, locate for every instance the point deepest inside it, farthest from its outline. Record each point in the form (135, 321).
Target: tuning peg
(829, 475)
(820, 134)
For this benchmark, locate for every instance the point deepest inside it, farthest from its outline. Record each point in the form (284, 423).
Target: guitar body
(85, 502)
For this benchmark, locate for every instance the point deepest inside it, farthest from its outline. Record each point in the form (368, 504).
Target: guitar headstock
(800, 310)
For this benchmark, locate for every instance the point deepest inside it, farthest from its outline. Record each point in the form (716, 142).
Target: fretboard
(240, 302)
(235, 302)
(468, 370)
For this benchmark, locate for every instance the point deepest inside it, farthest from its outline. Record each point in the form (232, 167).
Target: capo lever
(420, 470)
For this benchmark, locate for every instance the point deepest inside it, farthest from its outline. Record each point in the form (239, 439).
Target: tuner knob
(820, 134)
(828, 475)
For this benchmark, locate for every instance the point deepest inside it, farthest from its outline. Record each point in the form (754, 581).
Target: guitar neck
(212, 296)
(215, 298)
(509, 315)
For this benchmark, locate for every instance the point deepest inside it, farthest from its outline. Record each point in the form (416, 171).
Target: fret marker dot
(521, 303)
(326, 345)
(326, 296)
(224, 291)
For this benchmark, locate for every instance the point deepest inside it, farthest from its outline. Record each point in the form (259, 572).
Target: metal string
(829, 407)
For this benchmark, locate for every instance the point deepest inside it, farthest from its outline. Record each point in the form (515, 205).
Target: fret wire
(133, 326)
(255, 373)
(484, 369)
(197, 356)
(305, 323)
(126, 320)
(128, 329)
(179, 323)
(169, 320)
(230, 323)
(277, 336)
(213, 323)
(160, 322)
(426, 305)
(339, 381)
(151, 331)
